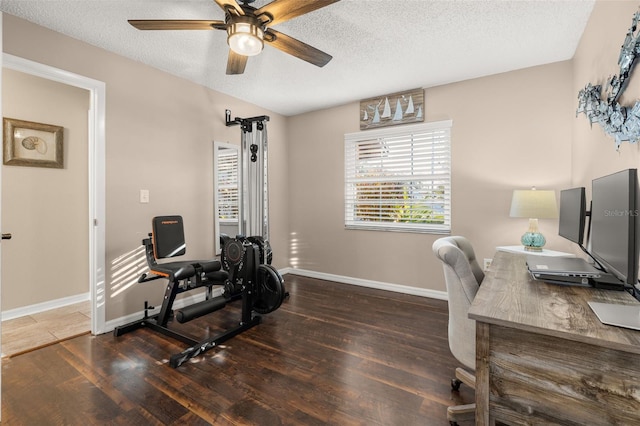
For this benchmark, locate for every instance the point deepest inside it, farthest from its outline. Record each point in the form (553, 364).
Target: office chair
(463, 276)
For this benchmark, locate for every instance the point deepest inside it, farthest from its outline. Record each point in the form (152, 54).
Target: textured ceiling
(378, 46)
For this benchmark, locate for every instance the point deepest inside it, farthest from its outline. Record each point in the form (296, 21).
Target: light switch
(144, 195)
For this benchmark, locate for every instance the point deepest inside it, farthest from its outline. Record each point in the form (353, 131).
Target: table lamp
(534, 204)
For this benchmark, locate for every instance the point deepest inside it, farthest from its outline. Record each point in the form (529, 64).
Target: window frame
(228, 183)
(433, 135)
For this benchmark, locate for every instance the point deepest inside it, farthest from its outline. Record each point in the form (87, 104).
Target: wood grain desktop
(543, 357)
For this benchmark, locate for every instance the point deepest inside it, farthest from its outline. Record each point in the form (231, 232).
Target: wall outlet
(487, 264)
(144, 196)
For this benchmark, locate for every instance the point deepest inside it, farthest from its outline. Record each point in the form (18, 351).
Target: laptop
(562, 266)
(562, 270)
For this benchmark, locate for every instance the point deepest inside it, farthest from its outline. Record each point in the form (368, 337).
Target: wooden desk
(542, 356)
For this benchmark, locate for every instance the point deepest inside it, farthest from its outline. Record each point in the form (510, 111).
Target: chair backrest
(168, 237)
(463, 277)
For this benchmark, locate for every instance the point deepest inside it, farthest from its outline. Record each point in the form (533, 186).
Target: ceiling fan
(248, 28)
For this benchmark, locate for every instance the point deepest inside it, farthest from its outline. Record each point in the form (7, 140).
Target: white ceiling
(378, 46)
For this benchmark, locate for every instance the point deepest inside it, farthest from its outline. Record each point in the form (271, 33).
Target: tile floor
(31, 332)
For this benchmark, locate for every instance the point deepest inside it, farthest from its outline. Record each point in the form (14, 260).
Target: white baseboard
(398, 288)
(44, 306)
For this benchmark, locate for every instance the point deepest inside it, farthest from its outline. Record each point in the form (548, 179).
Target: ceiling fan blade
(296, 48)
(176, 24)
(226, 4)
(236, 63)
(283, 10)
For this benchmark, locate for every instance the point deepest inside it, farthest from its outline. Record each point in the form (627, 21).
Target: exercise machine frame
(184, 276)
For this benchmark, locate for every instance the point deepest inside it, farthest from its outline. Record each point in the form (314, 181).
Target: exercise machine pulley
(254, 206)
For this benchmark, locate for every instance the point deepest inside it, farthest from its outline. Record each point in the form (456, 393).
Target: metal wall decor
(621, 122)
(395, 108)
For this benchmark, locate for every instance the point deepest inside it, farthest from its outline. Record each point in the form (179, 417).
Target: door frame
(96, 171)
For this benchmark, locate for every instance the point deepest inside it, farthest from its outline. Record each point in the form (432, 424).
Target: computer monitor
(614, 224)
(573, 211)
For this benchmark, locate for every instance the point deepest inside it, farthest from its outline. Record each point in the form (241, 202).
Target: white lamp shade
(534, 203)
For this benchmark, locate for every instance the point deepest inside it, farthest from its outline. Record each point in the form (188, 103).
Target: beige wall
(593, 152)
(159, 136)
(510, 131)
(46, 209)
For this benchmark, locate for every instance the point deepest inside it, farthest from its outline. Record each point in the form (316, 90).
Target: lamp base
(533, 241)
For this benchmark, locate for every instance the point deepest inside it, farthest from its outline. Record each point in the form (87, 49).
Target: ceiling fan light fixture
(245, 38)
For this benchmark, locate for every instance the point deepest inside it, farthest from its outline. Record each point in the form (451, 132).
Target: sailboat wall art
(395, 108)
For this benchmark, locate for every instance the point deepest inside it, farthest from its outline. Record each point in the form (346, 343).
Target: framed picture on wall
(27, 143)
(394, 108)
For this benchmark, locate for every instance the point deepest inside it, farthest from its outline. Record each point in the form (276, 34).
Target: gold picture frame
(395, 108)
(31, 144)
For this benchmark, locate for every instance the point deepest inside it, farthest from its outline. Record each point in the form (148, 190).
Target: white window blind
(228, 186)
(399, 178)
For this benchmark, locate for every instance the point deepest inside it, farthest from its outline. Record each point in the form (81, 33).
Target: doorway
(45, 208)
(94, 209)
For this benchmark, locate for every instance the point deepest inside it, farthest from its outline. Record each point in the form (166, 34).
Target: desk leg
(482, 375)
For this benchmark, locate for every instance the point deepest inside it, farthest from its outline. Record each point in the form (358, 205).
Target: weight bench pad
(186, 269)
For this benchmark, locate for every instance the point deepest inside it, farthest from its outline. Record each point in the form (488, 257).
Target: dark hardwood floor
(332, 354)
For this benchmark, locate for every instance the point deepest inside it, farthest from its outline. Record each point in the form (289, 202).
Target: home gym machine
(244, 271)
(254, 200)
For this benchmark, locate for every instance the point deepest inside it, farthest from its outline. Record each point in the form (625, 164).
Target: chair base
(465, 377)
(461, 413)
(466, 412)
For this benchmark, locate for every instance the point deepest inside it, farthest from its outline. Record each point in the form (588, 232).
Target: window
(399, 178)
(228, 186)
